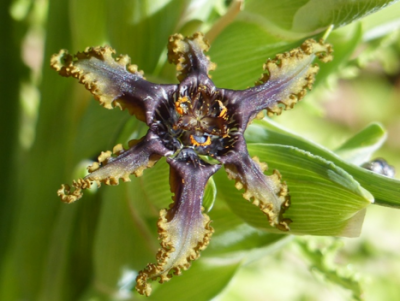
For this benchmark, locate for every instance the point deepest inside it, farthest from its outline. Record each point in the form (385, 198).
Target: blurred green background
(92, 250)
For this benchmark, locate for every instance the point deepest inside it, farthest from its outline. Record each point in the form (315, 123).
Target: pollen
(222, 114)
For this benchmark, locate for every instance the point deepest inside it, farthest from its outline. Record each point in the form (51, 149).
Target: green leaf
(280, 13)
(317, 15)
(275, 17)
(41, 170)
(236, 239)
(146, 28)
(359, 148)
(99, 129)
(325, 200)
(386, 191)
(240, 52)
(10, 72)
(124, 240)
(87, 32)
(382, 22)
(69, 262)
(298, 19)
(154, 184)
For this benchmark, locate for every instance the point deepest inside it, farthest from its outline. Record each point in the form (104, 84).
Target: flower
(188, 123)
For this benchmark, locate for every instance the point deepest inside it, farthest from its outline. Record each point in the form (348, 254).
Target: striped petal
(184, 230)
(285, 81)
(119, 164)
(268, 193)
(113, 81)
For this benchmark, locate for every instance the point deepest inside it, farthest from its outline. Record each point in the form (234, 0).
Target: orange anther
(178, 105)
(196, 143)
(178, 108)
(222, 114)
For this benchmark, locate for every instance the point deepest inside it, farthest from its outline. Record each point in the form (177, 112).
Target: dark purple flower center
(195, 120)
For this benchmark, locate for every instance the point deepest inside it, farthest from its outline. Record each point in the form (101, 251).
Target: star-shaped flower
(189, 122)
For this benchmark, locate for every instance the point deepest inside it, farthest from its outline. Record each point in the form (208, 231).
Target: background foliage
(92, 250)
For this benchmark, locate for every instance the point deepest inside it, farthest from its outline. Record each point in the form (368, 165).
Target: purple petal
(113, 82)
(183, 229)
(108, 170)
(284, 82)
(188, 54)
(266, 192)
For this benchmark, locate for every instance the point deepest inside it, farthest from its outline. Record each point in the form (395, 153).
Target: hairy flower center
(197, 121)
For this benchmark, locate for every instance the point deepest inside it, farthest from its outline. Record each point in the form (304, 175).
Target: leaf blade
(386, 191)
(325, 199)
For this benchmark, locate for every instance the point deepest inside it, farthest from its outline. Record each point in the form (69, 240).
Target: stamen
(222, 114)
